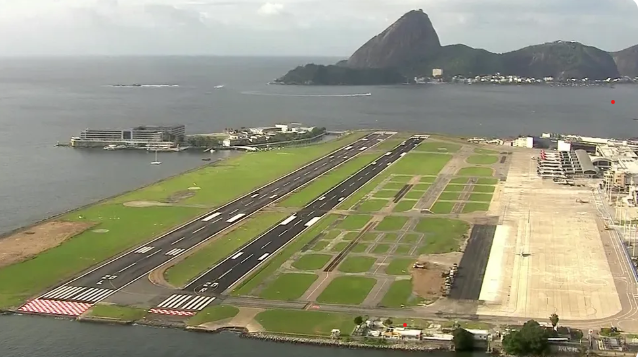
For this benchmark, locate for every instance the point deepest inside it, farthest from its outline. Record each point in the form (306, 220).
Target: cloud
(299, 27)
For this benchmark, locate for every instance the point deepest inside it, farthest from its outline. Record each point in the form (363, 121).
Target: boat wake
(145, 85)
(308, 95)
(219, 86)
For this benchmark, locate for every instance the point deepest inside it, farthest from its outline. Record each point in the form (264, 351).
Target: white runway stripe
(175, 251)
(63, 292)
(211, 217)
(93, 295)
(143, 250)
(186, 302)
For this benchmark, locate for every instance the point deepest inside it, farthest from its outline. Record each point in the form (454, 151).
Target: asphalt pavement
(469, 280)
(246, 259)
(101, 282)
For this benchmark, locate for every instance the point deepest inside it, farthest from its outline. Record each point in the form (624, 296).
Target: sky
(298, 27)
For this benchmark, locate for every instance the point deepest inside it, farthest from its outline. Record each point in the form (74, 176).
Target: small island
(409, 51)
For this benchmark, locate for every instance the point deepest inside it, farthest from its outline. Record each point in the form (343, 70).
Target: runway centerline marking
(198, 230)
(265, 245)
(282, 233)
(121, 270)
(179, 240)
(243, 261)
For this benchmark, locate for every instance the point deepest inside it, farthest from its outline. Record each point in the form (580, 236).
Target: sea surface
(46, 100)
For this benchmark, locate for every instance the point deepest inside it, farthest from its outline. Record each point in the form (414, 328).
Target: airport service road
(247, 258)
(103, 281)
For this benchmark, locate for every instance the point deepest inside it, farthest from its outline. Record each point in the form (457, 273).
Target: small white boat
(156, 162)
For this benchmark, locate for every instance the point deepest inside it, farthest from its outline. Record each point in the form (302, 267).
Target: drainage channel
(401, 193)
(333, 264)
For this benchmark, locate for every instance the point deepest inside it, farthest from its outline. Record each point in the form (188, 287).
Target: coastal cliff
(410, 47)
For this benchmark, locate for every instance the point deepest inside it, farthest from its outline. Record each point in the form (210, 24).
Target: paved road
(103, 281)
(247, 258)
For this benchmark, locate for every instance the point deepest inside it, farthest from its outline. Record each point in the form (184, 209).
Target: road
(246, 259)
(105, 280)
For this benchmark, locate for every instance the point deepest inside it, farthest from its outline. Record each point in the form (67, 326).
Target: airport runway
(101, 282)
(469, 280)
(249, 257)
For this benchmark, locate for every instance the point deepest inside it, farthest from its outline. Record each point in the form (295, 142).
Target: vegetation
(350, 290)
(442, 235)
(392, 223)
(416, 163)
(400, 294)
(289, 286)
(399, 266)
(354, 222)
(531, 340)
(475, 207)
(304, 322)
(313, 74)
(553, 318)
(404, 206)
(442, 207)
(213, 313)
(438, 146)
(311, 261)
(356, 264)
(372, 205)
(463, 340)
(117, 312)
(482, 159)
(475, 171)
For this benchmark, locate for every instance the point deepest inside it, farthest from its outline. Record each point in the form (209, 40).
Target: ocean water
(43, 101)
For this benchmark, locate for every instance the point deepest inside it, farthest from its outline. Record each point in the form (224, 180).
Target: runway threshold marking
(237, 255)
(55, 307)
(211, 217)
(273, 196)
(143, 250)
(255, 195)
(184, 302)
(175, 251)
(236, 217)
(263, 256)
(312, 221)
(288, 220)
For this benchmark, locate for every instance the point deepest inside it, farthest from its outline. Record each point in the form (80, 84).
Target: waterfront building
(157, 136)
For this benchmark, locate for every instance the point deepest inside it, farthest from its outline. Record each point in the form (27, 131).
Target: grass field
(391, 223)
(360, 247)
(393, 186)
(402, 250)
(442, 235)
(221, 247)
(398, 178)
(303, 322)
(339, 246)
(427, 179)
(484, 189)
(349, 290)
(421, 187)
(420, 164)
(311, 261)
(380, 249)
(482, 159)
(271, 265)
(404, 206)
(400, 293)
(363, 191)
(449, 196)
(453, 187)
(476, 207)
(475, 171)
(399, 266)
(213, 313)
(289, 286)
(369, 236)
(438, 146)
(485, 151)
(320, 245)
(350, 236)
(354, 222)
(442, 207)
(390, 237)
(461, 180)
(356, 264)
(329, 180)
(117, 312)
(414, 195)
(487, 181)
(385, 193)
(481, 197)
(410, 238)
(372, 205)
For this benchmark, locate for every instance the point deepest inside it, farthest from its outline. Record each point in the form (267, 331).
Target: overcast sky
(298, 27)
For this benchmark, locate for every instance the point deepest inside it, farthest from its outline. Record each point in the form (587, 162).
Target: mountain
(410, 48)
(627, 61)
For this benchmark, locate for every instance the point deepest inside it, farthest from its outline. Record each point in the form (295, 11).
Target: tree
(531, 340)
(463, 339)
(554, 320)
(358, 320)
(387, 322)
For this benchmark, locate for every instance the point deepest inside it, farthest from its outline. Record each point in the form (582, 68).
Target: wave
(308, 95)
(145, 85)
(219, 86)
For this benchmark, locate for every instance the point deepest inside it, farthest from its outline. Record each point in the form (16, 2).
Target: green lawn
(404, 206)
(403, 179)
(394, 141)
(402, 250)
(475, 171)
(400, 293)
(369, 236)
(312, 261)
(460, 180)
(381, 249)
(372, 205)
(331, 235)
(414, 195)
(442, 235)
(393, 186)
(475, 207)
(213, 313)
(420, 164)
(354, 222)
(487, 181)
(327, 181)
(484, 189)
(449, 196)
(399, 266)
(485, 151)
(360, 247)
(421, 187)
(127, 227)
(482, 159)
(356, 264)
(270, 267)
(390, 237)
(454, 188)
(363, 191)
(427, 179)
(350, 290)
(305, 322)
(289, 286)
(410, 238)
(385, 193)
(339, 246)
(391, 223)
(438, 146)
(221, 247)
(442, 207)
(481, 197)
(320, 245)
(117, 312)
(350, 236)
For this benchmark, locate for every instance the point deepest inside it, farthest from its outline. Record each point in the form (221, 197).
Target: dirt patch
(180, 196)
(25, 244)
(142, 204)
(427, 282)
(446, 259)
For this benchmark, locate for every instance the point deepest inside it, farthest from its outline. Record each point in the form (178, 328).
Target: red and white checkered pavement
(44, 306)
(171, 312)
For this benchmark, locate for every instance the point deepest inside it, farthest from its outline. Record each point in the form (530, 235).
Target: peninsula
(410, 48)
